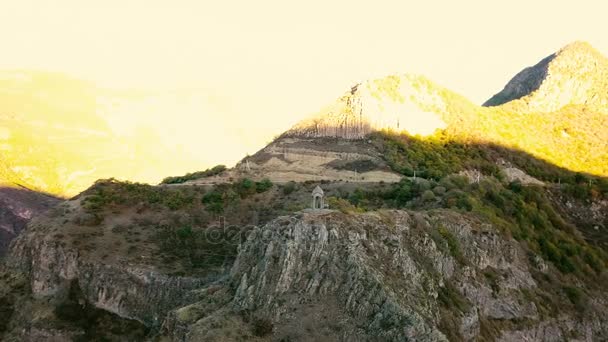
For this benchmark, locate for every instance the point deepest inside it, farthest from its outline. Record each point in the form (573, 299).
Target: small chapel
(318, 201)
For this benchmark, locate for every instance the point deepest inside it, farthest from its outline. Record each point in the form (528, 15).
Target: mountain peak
(396, 102)
(577, 74)
(578, 47)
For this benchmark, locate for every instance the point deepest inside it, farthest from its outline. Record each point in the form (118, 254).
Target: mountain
(446, 221)
(332, 144)
(575, 75)
(59, 134)
(54, 135)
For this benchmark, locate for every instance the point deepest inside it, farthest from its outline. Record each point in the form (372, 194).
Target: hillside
(420, 259)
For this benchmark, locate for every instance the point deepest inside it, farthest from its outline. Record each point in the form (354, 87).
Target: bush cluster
(105, 194)
(222, 194)
(216, 170)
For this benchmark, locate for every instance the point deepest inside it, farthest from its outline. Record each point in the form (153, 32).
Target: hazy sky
(268, 63)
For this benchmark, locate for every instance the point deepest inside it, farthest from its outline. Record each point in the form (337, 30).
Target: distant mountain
(575, 75)
(58, 134)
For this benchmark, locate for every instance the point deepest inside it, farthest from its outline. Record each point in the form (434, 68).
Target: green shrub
(428, 195)
(214, 201)
(289, 187)
(576, 297)
(245, 187)
(106, 194)
(263, 185)
(184, 233)
(342, 205)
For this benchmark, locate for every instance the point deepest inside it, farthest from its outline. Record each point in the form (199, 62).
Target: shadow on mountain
(576, 196)
(524, 83)
(441, 155)
(17, 207)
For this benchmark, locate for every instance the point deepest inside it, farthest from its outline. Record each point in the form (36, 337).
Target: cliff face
(130, 291)
(76, 281)
(395, 275)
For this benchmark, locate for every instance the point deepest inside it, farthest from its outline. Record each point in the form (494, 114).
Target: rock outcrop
(76, 280)
(390, 276)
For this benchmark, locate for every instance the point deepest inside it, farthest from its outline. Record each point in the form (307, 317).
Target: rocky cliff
(390, 276)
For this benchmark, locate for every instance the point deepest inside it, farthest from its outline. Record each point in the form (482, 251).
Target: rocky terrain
(389, 275)
(331, 275)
